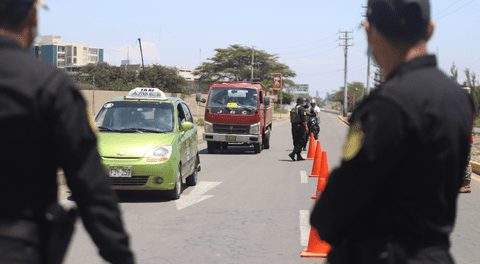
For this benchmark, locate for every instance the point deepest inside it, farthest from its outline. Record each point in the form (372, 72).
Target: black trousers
(299, 137)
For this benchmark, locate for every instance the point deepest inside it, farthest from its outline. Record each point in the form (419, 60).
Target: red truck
(237, 113)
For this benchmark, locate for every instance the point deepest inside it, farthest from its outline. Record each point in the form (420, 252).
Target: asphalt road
(247, 208)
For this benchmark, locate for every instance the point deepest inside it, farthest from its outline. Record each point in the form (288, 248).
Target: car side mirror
(187, 126)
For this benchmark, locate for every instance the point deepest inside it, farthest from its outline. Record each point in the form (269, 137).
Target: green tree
(355, 93)
(287, 98)
(234, 64)
(166, 79)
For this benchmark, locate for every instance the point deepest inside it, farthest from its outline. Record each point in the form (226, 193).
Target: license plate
(121, 171)
(231, 138)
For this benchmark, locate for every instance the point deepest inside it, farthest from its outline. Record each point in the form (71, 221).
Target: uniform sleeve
(75, 145)
(371, 152)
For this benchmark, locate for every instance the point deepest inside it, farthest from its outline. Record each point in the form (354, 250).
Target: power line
(309, 56)
(305, 44)
(455, 10)
(310, 49)
(446, 8)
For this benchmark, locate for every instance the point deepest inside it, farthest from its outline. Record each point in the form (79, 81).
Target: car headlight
(208, 127)
(255, 128)
(159, 154)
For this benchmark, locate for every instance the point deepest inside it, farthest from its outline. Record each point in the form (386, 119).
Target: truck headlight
(208, 127)
(255, 128)
(159, 154)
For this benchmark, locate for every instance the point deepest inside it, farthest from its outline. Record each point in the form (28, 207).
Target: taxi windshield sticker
(109, 105)
(232, 104)
(354, 142)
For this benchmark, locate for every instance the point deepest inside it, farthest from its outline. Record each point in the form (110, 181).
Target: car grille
(231, 129)
(133, 181)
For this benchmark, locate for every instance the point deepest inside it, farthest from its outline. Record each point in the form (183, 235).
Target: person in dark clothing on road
(44, 127)
(393, 198)
(298, 118)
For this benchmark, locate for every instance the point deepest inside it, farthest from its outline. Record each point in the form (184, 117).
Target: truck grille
(134, 181)
(231, 129)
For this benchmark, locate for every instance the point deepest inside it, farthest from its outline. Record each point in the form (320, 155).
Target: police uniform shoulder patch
(354, 142)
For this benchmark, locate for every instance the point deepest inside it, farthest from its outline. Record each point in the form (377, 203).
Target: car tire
(192, 179)
(211, 147)
(257, 147)
(177, 190)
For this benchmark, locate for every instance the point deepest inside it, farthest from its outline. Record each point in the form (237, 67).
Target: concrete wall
(96, 99)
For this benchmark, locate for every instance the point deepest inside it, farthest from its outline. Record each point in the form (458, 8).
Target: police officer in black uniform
(298, 118)
(393, 198)
(44, 126)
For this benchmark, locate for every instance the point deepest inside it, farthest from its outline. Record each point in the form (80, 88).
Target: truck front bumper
(232, 138)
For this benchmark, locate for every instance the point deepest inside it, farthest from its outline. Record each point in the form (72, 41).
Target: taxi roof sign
(146, 93)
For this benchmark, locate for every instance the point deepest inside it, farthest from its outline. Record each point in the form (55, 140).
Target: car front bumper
(232, 138)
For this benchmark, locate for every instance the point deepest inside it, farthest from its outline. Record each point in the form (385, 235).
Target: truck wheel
(257, 147)
(211, 147)
(193, 178)
(266, 141)
(224, 145)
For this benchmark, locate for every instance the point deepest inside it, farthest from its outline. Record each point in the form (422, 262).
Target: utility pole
(141, 53)
(346, 45)
(253, 57)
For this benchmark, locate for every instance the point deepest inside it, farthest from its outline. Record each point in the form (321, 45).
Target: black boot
(299, 156)
(292, 156)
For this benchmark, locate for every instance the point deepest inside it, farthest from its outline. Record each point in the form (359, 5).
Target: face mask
(304, 104)
(370, 54)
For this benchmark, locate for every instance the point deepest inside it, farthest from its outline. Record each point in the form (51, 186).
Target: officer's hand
(306, 130)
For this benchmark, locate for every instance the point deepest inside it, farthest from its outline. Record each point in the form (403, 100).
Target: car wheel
(193, 178)
(177, 190)
(257, 147)
(211, 147)
(224, 145)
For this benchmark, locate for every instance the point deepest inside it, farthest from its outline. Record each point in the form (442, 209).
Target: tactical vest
(294, 115)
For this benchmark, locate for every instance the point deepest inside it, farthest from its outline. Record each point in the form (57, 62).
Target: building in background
(66, 56)
(187, 73)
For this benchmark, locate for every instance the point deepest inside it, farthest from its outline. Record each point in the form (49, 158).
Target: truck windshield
(234, 100)
(135, 117)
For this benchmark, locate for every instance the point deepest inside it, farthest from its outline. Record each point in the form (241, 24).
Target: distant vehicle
(148, 141)
(237, 113)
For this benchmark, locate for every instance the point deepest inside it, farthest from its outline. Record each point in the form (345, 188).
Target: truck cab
(237, 113)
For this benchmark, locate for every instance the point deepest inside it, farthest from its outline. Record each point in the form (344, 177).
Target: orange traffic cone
(317, 162)
(324, 172)
(322, 182)
(311, 148)
(316, 247)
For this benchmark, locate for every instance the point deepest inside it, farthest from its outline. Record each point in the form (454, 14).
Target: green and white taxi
(148, 141)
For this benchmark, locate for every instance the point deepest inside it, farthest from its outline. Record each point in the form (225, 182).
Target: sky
(303, 34)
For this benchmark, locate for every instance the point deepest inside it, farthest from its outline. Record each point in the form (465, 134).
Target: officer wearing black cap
(299, 119)
(44, 126)
(393, 198)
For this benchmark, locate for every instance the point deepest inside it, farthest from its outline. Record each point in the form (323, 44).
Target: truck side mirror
(267, 101)
(203, 100)
(198, 97)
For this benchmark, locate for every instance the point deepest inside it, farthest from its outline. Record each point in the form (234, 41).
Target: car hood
(130, 145)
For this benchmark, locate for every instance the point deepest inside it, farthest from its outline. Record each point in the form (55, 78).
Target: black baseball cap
(14, 12)
(400, 19)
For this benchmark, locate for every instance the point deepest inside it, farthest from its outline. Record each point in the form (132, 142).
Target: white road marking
(196, 195)
(304, 227)
(303, 177)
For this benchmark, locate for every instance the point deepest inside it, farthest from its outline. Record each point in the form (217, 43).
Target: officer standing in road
(306, 106)
(298, 118)
(44, 126)
(393, 198)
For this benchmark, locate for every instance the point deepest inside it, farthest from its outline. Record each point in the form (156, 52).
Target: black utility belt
(20, 229)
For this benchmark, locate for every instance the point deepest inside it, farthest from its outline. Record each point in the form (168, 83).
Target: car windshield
(135, 117)
(233, 99)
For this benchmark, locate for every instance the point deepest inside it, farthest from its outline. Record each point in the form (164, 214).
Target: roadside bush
(200, 122)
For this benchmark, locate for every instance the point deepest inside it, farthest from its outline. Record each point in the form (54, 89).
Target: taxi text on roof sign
(146, 93)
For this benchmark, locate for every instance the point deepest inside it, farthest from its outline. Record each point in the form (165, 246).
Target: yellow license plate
(231, 138)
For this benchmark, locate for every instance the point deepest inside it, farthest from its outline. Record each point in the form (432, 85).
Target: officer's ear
(431, 28)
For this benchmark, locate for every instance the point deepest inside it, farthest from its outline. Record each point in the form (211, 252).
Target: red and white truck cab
(237, 113)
